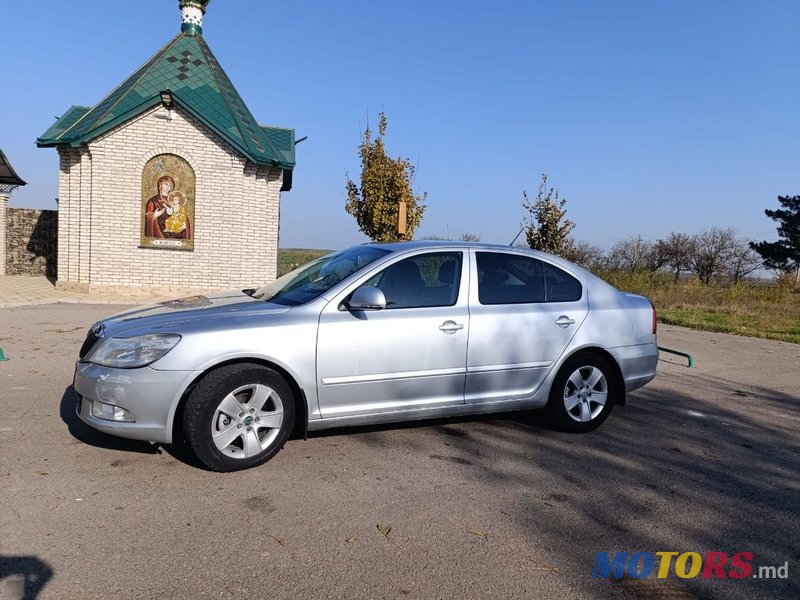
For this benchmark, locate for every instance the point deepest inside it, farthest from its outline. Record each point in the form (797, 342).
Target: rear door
(410, 355)
(523, 314)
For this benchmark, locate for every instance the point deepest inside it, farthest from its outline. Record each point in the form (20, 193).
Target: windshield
(314, 279)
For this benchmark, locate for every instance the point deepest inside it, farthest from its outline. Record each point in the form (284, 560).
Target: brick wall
(100, 198)
(30, 241)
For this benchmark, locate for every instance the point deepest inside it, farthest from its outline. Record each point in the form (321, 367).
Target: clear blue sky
(648, 116)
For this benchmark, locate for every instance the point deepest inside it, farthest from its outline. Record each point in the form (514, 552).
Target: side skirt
(418, 414)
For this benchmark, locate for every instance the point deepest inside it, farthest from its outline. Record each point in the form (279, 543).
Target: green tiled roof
(186, 67)
(282, 139)
(65, 121)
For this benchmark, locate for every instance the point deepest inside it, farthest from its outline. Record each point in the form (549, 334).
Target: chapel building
(169, 182)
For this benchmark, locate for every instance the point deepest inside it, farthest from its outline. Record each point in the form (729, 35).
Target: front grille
(88, 344)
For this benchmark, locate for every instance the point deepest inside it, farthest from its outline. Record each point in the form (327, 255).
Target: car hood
(170, 314)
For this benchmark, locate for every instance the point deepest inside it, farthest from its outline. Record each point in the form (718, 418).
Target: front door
(410, 355)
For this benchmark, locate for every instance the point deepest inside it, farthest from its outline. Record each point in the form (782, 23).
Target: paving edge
(118, 301)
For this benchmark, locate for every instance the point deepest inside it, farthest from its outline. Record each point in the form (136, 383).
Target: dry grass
(751, 309)
(291, 258)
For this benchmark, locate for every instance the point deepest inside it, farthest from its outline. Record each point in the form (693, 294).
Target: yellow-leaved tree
(546, 226)
(385, 183)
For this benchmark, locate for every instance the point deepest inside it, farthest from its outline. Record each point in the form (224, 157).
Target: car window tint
(560, 286)
(421, 281)
(509, 279)
(317, 277)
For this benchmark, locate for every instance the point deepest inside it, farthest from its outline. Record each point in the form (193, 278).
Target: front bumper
(149, 395)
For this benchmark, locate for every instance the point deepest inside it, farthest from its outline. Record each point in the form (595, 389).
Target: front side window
(515, 279)
(421, 281)
(317, 277)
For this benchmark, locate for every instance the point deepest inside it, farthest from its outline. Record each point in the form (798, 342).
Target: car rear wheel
(583, 393)
(238, 416)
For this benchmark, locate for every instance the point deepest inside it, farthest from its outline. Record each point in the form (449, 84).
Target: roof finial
(192, 12)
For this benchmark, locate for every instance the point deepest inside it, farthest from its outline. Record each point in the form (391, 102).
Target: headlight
(139, 351)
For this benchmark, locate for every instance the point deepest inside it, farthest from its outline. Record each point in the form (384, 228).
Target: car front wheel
(238, 416)
(583, 393)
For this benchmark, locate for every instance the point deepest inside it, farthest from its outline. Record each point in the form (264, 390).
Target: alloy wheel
(585, 394)
(247, 421)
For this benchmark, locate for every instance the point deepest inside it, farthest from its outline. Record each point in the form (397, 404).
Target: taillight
(655, 317)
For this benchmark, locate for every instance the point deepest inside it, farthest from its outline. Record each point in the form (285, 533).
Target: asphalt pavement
(702, 459)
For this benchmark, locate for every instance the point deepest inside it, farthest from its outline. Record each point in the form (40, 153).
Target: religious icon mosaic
(168, 187)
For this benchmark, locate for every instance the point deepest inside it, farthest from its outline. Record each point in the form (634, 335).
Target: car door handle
(450, 327)
(564, 321)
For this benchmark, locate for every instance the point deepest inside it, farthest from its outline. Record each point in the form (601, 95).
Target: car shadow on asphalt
(83, 433)
(675, 468)
(92, 437)
(535, 419)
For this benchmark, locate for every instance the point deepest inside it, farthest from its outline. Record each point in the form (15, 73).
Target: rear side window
(515, 279)
(560, 286)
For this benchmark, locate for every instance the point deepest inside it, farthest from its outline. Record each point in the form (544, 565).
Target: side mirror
(366, 298)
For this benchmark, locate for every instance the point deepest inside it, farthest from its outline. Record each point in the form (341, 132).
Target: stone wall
(100, 211)
(31, 238)
(3, 203)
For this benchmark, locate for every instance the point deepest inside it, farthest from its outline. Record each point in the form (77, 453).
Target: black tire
(587, 397)
(202, 413)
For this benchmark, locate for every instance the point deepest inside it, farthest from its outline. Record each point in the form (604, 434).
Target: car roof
(422, 244)
(441, 244)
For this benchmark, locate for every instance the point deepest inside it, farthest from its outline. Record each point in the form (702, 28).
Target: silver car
(371, 334)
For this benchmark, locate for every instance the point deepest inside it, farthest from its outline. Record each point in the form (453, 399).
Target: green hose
(679, 353)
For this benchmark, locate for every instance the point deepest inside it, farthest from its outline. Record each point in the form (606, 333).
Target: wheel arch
(300, 400)
(619, 380)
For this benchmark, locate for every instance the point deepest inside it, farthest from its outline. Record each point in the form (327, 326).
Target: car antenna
(515, 238)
